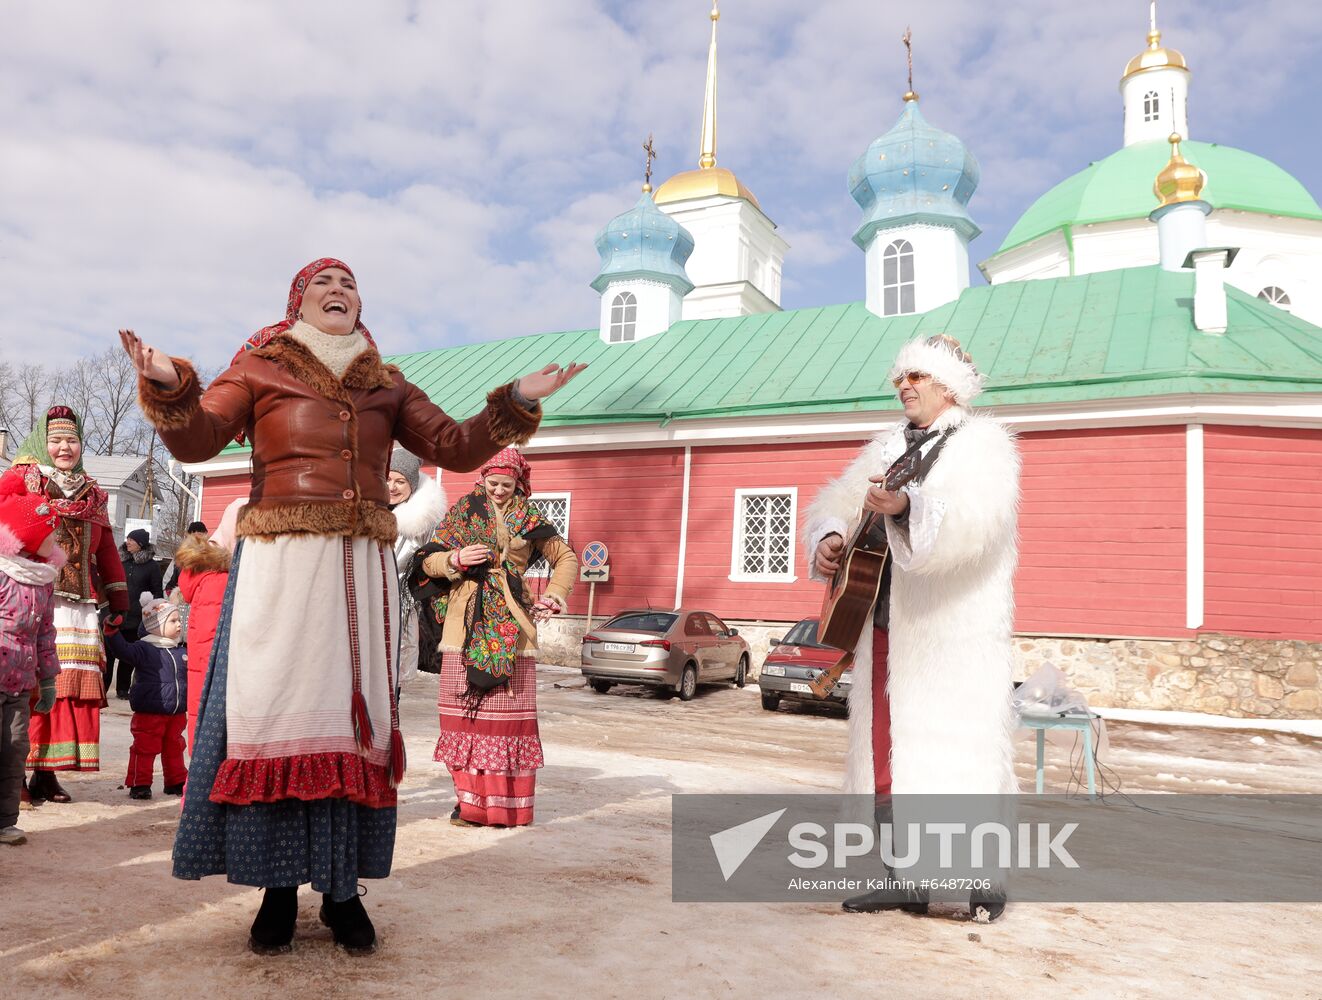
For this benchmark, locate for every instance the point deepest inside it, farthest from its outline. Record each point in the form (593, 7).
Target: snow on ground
(578, 905)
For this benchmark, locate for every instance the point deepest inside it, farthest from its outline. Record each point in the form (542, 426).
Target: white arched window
(1151, 106)
(624, 317)
(1276, 296)
(897, 279)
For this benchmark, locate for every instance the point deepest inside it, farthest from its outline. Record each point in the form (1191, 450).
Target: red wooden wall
(1264, 532)
(715, 475)
(631, 500)
(1101, 532)
(1102, 528)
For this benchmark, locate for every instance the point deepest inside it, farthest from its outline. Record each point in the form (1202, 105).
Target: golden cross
(651, 155)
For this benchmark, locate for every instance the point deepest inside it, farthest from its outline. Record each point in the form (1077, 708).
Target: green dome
(1120, 187)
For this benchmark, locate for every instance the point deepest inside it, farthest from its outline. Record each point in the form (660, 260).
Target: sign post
(594, 567)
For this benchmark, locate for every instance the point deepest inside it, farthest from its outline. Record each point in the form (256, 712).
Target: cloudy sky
(168, 166)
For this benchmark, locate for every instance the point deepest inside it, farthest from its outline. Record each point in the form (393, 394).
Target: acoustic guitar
(853, 590)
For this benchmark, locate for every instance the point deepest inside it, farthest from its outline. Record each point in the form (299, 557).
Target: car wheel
(741, 672)
(770, 700)
(600, 686)
(688, 683)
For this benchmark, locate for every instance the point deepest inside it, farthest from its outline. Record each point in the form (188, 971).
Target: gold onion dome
(1179, 180)
(703, 183)
(1155, 56)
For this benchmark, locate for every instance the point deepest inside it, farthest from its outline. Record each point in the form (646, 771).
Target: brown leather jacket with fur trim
(321, 444)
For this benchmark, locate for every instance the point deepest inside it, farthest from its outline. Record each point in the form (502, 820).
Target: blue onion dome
(914, 174)
(644, 242)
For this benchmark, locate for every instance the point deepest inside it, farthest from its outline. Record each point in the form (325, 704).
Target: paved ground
(578, 905)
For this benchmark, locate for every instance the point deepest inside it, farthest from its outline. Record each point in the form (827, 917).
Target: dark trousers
(881, 713)
(15, 711)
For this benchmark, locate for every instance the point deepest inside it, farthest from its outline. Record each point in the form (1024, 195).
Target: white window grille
(897, 279)
(1151, 106)
(1276, 296)
(624, 318)
(555, 508)
(763, 548)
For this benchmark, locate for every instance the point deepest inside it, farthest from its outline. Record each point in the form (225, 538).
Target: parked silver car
(676, 650)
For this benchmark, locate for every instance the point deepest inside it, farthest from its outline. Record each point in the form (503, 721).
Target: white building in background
(1097, 219)
(124, 478)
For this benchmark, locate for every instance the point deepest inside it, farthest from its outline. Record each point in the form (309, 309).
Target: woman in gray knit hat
(418, 505)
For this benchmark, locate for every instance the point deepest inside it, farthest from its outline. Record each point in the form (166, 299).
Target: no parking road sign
(595, 555)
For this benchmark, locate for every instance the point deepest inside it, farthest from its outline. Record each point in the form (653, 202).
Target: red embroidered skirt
(493, 756)
(68, 738)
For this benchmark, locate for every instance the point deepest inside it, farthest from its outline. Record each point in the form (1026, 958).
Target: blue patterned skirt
(331, 843)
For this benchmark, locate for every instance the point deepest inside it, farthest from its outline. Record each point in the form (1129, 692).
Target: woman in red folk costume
(476, 592)
(50, 463)
(298, 756)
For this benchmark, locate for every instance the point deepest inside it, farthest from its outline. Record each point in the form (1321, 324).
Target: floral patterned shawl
(491, 631)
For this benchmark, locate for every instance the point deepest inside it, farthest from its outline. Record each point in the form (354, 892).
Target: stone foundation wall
(1218, 674)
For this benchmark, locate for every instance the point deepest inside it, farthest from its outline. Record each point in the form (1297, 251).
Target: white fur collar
(417, 517)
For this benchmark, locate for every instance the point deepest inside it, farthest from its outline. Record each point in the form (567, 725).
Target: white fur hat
(942, 358)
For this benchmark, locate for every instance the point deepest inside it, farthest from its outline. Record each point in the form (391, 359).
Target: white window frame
(897, 251)
(737, 573)
(1151, 106)
(544, 570)
(1276, 295)
(624, 318)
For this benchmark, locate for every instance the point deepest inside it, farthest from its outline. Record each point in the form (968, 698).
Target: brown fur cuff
(171, 409)
(357, 518)
(508, 422)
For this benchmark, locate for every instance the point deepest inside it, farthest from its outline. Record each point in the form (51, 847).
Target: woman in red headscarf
(475, 590)
(49, 463)
(298, 756)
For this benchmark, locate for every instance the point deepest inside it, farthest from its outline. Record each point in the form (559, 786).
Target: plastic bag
(1047, 693)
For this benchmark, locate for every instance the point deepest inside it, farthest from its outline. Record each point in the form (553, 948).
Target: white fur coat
(416, 518)
(951, 612)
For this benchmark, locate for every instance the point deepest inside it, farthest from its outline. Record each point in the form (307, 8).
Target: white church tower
(1155, 90)
(738, 256)
(913, 185)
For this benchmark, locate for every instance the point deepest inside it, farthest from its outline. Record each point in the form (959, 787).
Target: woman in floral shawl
(472, 582)
(50, 463)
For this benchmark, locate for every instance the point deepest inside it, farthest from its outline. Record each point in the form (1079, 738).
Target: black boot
(45, 787)
(880, 900)
(986, 905)
(272, 931)
(140, 792)
(350, 925)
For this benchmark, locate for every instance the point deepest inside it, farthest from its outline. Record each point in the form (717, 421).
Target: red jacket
(204, 574)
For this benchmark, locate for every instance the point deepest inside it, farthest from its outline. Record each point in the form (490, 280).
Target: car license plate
(798, 688)
(618, 647)
(771, 670)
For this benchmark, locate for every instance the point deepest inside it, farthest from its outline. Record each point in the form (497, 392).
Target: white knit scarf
(335, 352)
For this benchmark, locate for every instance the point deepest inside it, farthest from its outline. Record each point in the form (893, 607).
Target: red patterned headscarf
(509, 462)
(263, 336)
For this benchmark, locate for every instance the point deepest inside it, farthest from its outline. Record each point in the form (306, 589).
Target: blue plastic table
(1079, 722)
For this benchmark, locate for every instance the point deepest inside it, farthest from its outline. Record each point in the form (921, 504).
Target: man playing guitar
(930, 708)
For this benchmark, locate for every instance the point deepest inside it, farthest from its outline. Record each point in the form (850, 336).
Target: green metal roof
(1115, 334)
(1120, 187)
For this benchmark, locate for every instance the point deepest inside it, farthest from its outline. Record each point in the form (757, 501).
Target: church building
(1149, 328)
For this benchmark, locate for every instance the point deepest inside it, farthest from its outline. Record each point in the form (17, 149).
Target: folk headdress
(941, 357)
(296, 289)
(73, 495)
(501, 609)
(56, 420)
(510, 462)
